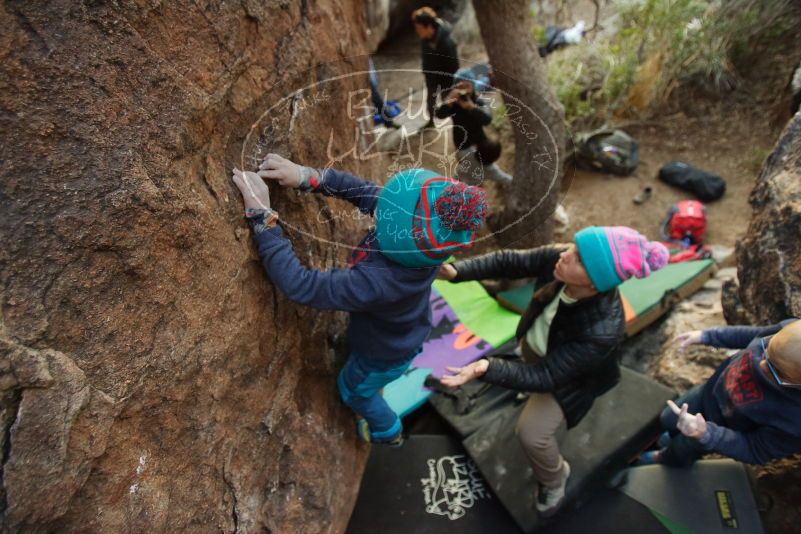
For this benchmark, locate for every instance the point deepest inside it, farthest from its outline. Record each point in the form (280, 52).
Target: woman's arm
(509, 264)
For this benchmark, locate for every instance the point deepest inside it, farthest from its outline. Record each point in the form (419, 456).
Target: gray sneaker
(549, 500)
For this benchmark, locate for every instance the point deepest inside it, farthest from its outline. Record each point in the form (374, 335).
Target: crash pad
(620, 424)
(430, 486)
(467, 324)
(711, 496)
(644, 300)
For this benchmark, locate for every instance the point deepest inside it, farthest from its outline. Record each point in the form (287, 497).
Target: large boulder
(769, 256)
(151, 378)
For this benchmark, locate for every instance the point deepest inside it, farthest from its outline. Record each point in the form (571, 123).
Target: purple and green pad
(467, 324)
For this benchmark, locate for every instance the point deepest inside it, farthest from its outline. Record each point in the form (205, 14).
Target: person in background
(476, 153)
(749, 410)
(440, 55)
(567, 336)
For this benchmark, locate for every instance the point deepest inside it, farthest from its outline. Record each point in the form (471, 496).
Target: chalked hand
(692, 426)
(288, 173)
(255, 193)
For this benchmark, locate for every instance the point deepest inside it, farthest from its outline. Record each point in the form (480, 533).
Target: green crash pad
(644, 300)
(479, 312)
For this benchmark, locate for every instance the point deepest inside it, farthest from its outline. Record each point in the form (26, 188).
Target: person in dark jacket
(387, 286)
(567, 336)
(440, 56)
(749, 410)
(476, 153)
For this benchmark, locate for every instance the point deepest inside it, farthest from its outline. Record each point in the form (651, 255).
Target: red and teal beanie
(422, 218)
(613, 254)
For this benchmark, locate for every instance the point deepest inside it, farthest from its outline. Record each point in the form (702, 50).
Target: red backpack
(686, 221)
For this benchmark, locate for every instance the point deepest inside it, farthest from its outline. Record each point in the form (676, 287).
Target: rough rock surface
(769, 256)
(682, 370)
(151, 379)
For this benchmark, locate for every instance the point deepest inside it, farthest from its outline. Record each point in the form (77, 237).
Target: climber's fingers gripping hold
(285, 172)
(255, 193)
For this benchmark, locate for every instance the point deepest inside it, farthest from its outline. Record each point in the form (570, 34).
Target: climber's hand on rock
(255, 193)
(446, 272)
(280, 169)
(462, 375)
(692, 426)
(687, 338)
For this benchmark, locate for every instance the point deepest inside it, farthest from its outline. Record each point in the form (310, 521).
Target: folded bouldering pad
(620, 424)
(644, 300)
(710, 496)
(429, 485)
(467, 324)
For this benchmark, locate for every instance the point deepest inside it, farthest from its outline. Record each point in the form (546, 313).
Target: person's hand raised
(692, 426)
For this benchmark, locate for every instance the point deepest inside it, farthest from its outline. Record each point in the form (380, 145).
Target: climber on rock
(567, 336)
(421, 218)
(475, 152)
(749, 410)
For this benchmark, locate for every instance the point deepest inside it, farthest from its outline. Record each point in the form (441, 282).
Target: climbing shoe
(363, 429)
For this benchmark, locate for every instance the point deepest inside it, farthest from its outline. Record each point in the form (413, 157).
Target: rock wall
(151, 378)
(769, 256)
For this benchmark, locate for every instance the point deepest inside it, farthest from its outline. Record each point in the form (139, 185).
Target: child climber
(421, 218)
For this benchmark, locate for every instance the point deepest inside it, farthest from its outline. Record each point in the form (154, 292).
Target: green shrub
(659, 45)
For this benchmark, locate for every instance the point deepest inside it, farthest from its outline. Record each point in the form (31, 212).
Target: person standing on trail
(421, 219)
(440, 56)
(749, 410)
(567, 336)
(475, 152)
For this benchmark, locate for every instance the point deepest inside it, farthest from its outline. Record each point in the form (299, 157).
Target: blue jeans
(360, 384)
(682, 451)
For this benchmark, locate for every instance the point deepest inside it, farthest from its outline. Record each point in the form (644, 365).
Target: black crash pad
(621, 423)
(429, 485)
(712, 496)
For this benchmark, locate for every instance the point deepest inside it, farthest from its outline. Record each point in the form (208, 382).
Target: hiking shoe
(643, 195)
(363, 430)
(549, 500)
(650, 458)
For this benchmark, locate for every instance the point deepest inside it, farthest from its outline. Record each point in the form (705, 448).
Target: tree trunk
(536, 117)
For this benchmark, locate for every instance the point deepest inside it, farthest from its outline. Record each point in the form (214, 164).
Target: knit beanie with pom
(613, 254)
(422, 218)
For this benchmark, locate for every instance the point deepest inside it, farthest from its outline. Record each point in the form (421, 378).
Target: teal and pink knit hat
(422, 217)
(613, 254)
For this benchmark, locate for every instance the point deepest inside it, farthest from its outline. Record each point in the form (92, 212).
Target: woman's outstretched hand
(255, 193)
(462, 375)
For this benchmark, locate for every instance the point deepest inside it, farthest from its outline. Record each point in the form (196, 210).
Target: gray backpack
(607, 150)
